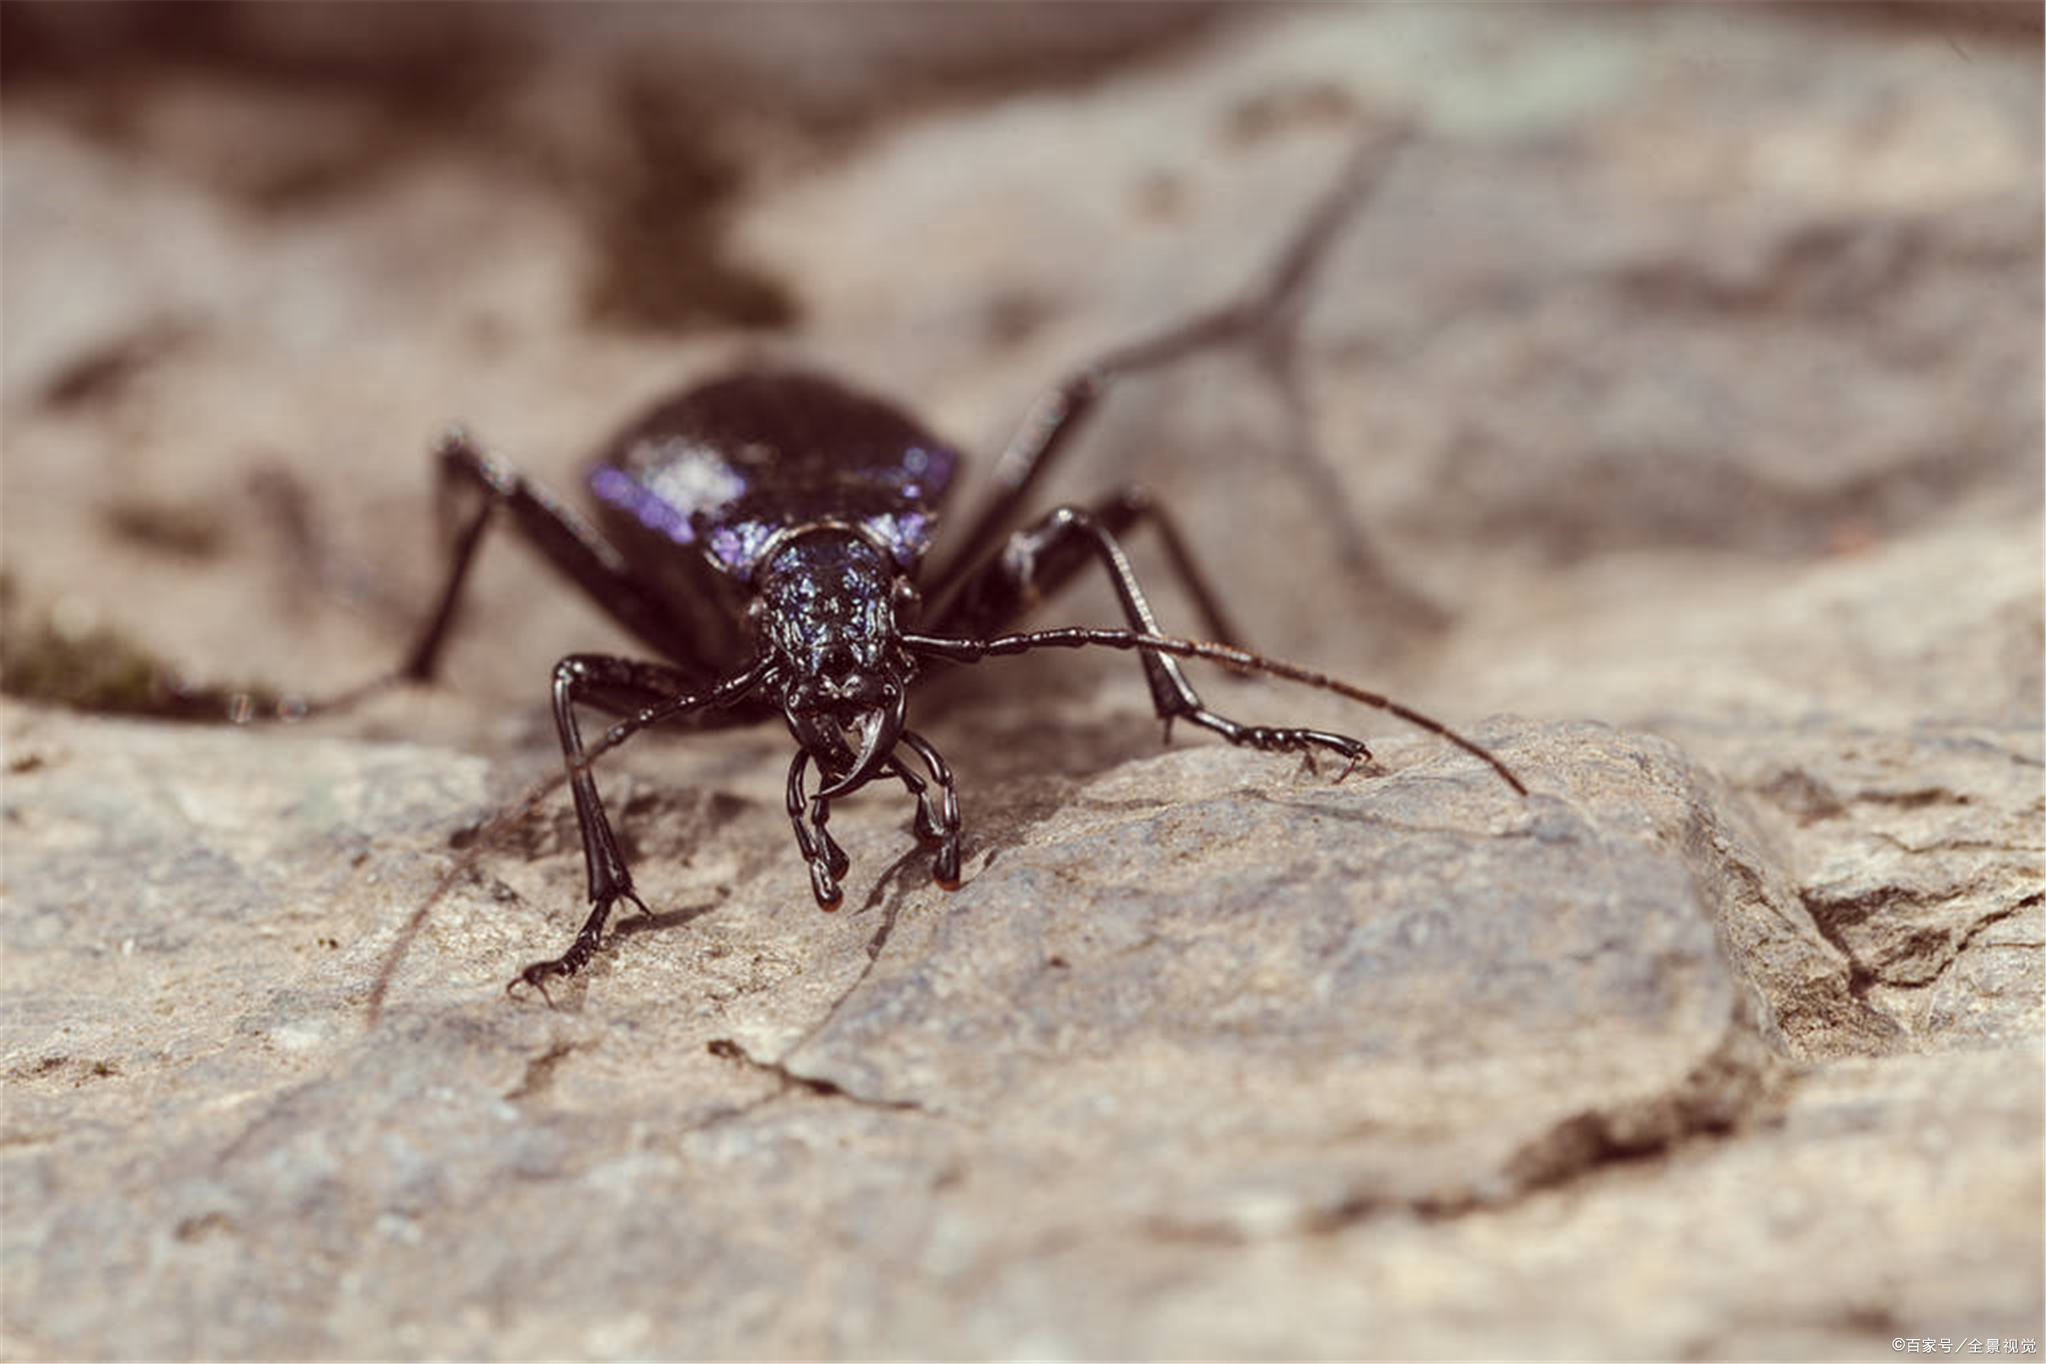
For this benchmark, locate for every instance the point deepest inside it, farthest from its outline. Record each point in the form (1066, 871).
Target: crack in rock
(1934, 948)
(726, 1049)
(540, 1070)
(1726, 1089)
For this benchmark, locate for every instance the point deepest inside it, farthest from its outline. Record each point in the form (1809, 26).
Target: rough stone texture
(1689, 367)
(1191, 999)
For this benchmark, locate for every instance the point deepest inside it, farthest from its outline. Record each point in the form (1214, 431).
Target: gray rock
(1199, 997)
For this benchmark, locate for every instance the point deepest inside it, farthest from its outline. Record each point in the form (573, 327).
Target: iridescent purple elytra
(730, 465)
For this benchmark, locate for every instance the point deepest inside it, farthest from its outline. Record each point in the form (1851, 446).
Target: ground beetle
(765, 532)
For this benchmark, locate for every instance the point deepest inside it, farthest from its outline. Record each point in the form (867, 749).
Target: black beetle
(765, 533)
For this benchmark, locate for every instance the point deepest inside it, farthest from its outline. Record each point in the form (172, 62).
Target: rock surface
(1673, 401)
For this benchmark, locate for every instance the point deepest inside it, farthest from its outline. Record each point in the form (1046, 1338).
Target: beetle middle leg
(572, 547)
(1039, 559)
(1037, 562)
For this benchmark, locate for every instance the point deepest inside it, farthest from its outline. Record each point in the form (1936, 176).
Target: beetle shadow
(1005, 751)
(662, 920)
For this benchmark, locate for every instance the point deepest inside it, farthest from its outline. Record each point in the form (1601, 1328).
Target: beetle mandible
(765, 533)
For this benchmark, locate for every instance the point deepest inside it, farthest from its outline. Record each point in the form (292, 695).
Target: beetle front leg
(827, 861)
(935, 826)
(937, 822)
(620, 686)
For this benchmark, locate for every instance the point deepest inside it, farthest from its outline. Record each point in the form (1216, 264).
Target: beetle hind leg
(1264, 320)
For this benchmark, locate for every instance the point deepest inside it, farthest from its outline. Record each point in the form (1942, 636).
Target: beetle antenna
(1080, 637)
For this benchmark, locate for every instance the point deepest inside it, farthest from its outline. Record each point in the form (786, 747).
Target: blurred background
(1654, 287)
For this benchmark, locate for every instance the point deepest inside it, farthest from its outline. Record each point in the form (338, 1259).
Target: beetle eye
(907, 600)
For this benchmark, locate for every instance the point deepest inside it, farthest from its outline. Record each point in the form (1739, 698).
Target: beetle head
(826, 611)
